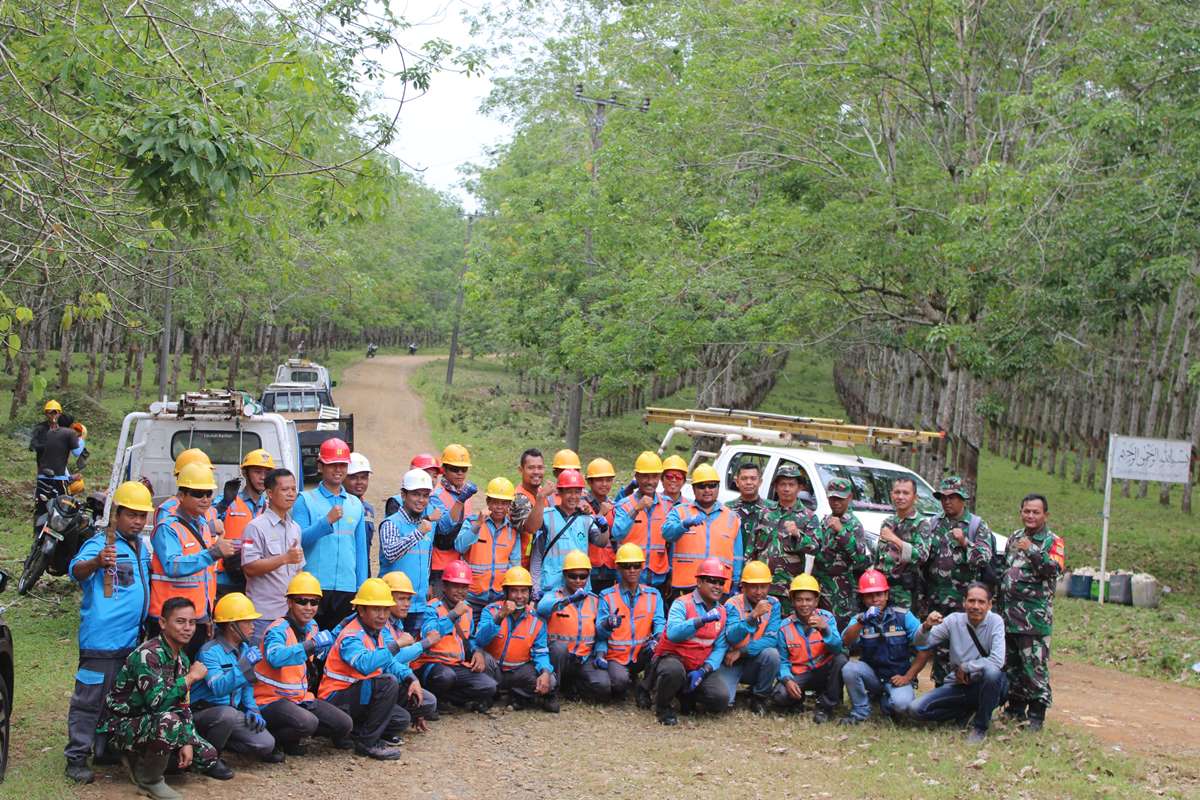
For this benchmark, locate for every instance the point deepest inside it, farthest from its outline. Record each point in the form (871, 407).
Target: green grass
(44, 623)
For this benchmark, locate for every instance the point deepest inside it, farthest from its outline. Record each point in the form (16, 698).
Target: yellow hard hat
(576, 559)
(756, 572)
(630, 553)
(134, 496)
(76, 486)
(501, 489)
(566, 459)
(258, 458)
(518, 576)
(648, 463)
(373, 592)
(600, 468)
(304, 583)
(705, 473)
(676, 463)
(52, 405)
(235, 607)
(196, 476)
(804, 583)
(456, 456)
(397, 581)
(193, 455)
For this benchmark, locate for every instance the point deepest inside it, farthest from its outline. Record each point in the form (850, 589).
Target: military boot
(147, 769)
(1037, 716)
(78, 771)
(1015, 711)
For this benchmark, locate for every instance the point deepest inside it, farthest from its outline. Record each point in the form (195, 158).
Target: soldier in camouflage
(1033, 558)
(784, 534)
(149, 715)
(903, 546)
(844, 554)
(749, 507)
(960, 550)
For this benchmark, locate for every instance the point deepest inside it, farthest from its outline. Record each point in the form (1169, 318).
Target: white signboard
(1160, 460)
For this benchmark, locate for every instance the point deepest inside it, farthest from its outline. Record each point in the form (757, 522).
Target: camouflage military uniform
(1027, 606)
(783, 552)
(902, 564)
(951, 566)
(750, 513)
(843, 556)
(148, 707)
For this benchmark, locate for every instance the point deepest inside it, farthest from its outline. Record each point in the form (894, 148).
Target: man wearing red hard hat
(333, 534)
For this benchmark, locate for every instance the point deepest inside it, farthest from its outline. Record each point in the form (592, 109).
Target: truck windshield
(873, 487)
(222, 447)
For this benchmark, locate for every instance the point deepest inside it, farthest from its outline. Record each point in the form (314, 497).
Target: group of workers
(254, 623)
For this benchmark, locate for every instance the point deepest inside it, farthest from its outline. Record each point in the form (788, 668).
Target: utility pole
(599, 115)
(458, 302)
(164, 349)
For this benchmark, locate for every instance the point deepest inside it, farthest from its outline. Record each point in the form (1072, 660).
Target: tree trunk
(20, 392)
(1185, 504)
(139, 371)
(102, 368)
(235, 350)
(64, 360)
(1179, 390)
(1160, 368)
(129, 353)
(176, 360)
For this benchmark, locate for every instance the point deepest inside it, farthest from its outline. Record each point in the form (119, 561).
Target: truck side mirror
(332, 383)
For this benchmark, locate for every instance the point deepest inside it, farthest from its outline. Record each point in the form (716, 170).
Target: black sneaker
(820, 716)
(759, 706)
(392, 739)
(667, 717)
(642, 697)
(1015, 712)
(219, 771)
(851, 720)
(343, 744)
(550, 704)
(976, 736)
(378, 751)
(78, 771)
(276, 756)
(296, 749)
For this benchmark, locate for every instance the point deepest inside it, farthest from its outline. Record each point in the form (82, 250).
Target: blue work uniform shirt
(335, 554)
(110, 627)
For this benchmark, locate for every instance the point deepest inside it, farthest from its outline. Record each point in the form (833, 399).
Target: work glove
(468, 491)
(578, 596)
(323, 639)
(600, 523)
(696, 676)
(693, 521)
(612, 622)
(711, 616)
(870, 614)
(650, 644)
(250, 657)
(601, 662)
(255, 721)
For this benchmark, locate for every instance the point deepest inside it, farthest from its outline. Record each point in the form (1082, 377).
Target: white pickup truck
(226, 425)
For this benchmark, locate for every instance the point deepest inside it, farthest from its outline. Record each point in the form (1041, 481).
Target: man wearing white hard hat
(407, 539)
(358, 477)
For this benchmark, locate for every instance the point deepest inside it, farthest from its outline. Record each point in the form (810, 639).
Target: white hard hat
(358, 463)
(416, 479)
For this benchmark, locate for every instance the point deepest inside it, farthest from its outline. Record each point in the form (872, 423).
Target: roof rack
(207, 404)
(736, 424)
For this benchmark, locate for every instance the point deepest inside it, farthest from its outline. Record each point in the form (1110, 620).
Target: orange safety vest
(739, 600)
(603, 557)
(489, 556)
(199, 587)
(289, 682)
(450, 650)
(714, 539)
(441, 557)
(237, 517)
(575, 624)
(693, 651)
(625, 642)
(513, 646)
(340, 675)
(646, 532)
(805, 652)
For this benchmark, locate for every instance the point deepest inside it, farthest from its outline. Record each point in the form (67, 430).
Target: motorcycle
(62, 529)
(412, 349)
(371, 350)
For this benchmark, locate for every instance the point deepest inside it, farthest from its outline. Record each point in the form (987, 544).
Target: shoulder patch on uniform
(1058, 551)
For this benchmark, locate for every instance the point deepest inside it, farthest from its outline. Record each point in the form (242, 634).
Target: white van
(301, 370)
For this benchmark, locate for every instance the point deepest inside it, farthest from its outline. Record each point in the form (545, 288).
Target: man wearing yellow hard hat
(248, 501)
(639, 518)
(518, 652)
(115, 581)
(596, 501)
(754, 618)
(490, 545)
(224, 709)
(702, 529)
(631, 618)
(53, 442)
(674, 474)
(193, 455)
(810, 649)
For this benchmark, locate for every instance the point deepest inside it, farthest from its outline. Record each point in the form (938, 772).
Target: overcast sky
(443, 128)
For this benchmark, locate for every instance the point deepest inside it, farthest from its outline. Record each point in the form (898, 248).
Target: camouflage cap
(839, 487)
(789, 471)
(952, 484)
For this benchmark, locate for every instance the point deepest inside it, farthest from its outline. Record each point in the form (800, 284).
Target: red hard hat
(457, 571)
(570, 479)
(425, 461)
(872, 581)
(334, 451)
(711, 568)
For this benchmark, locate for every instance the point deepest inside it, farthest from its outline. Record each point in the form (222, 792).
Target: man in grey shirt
(975, 683)
(271, 551)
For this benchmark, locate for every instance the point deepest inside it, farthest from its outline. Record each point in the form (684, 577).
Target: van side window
(737, 461)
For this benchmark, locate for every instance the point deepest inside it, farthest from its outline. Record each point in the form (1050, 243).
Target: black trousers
(290, 722)
(373, 717)
(668, 677)
(335, 606)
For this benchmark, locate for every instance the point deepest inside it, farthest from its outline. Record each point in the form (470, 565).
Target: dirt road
(622, 752)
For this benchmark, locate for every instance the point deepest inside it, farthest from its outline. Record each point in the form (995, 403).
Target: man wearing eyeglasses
(271, 552)
(186, 551)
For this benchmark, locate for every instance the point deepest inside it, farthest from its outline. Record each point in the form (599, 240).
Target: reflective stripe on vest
(575, 625)
(804, 652)
(715, 538)
(339, 674)
(651, 541)
(695, 650)
(513, 647)
(441, 558)
(200, 587)
(289, 682)
(489, 557)
(450, 649)
(626, 640)
(739, 600)
(601, 557)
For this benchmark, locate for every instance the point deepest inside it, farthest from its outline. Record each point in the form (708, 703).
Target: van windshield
(303, 376)
(222, 447)
(873, 487)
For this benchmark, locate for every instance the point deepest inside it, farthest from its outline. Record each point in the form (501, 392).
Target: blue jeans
(759, 671)
(954, 700)
(864, 686)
